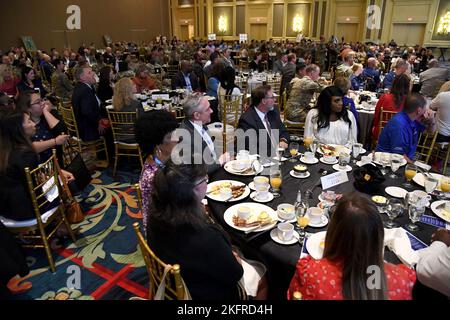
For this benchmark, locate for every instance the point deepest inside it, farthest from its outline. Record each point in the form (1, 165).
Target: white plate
(338, 149)
(313, 244)
(251, 185)
(321, 224)
(268, 199)
(337, 168)
(303, 159)
(396, 192)
(283, 159)
(402, 163)
(219, 197)
(440, 212)
(295, 175)
(294, 219)
(419, 178)
(274, 236)
(330, 163)
(228, 167)
(108, 101)
(256, 208)
(360, 164)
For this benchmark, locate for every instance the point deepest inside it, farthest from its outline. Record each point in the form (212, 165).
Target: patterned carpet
(105, 262)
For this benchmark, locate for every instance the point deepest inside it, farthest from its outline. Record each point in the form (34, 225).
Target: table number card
(334, 179)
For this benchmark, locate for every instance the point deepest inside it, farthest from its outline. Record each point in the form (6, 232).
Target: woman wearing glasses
(179, 231)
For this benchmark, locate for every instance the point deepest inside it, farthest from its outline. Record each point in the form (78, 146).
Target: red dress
(387, 102)
(322, 280)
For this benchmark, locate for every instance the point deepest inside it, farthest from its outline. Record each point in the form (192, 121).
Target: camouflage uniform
(343, 70)
(320, 56)
(302, 91)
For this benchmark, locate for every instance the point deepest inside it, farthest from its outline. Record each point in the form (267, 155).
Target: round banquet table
(281, 260)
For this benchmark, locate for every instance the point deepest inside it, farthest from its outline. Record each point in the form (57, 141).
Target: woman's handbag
(74, 163)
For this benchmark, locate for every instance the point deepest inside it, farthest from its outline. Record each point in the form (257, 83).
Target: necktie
(269, 131)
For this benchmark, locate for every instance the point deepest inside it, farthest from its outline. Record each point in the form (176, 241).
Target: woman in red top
(354, 242)
(392, 101)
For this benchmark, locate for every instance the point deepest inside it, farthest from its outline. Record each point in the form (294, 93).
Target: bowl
(286, 211)
(300, 169)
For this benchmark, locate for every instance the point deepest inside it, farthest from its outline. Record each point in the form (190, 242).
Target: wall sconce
(444, 24)
(223, 24)
(297, 24)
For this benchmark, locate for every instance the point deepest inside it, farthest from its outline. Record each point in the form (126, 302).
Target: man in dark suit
(185, 78)
(288, 72)
(265, 122)
(194, 137)
(86, 105)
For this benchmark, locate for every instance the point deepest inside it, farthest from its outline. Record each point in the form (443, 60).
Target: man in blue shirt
(401, 133)
(400, 68)
(371, 72)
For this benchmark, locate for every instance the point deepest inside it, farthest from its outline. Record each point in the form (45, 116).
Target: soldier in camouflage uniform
(345, 69)
(302, 91)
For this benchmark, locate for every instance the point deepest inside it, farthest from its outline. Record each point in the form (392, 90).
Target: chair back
(230, 107)
(66, 111)
(295, 128)
(243, 64)
(122, 124)
(425, 146)
(178, 113)
(175, 289)
(385, 116)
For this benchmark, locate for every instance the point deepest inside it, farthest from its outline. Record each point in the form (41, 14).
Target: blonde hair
(3, 70)
(123, 93)
(356, 67)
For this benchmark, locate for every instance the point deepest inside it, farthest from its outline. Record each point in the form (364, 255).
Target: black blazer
(251, 120)
(87, 112)
(197, 149)
(179, 82)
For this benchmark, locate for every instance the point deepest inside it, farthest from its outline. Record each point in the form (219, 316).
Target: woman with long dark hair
(31, 82)
(354, 243)
(229, 89)
(105, 85)
(393, 101)
(330, 122)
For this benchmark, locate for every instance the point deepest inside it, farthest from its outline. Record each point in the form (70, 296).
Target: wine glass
(307, 141)
(385, 160)
(356, 150)
(314, 145)
(275, 181)
(430, 183)
(394, 209)
(302, 222)
(410, 172)
(293, 149)
(415, 213)
(396, 160)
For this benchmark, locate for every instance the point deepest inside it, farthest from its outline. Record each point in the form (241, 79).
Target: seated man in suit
(86, 105)
(194, 137)
(265, 122)
(185, 78)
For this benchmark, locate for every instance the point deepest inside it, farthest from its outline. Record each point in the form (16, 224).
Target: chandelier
(222, 24)
(297, 24)
(444, 24)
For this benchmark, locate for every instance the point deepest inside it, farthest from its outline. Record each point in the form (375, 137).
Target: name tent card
(334, 179)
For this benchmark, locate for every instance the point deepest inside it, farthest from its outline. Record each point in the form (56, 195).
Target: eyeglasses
(205, 179)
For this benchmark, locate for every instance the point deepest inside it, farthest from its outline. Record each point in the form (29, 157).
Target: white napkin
(398, 242)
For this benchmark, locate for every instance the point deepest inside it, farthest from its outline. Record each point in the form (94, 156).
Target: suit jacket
(87, 111)
(179, 82)
(251, 120)
(197, 149)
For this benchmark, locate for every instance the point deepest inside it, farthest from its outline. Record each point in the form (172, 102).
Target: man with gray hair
(194, 132)
(433, 78)
(399, 68)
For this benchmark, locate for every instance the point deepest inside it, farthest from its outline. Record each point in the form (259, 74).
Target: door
(408, 34)
(184, 32)
(258, 31)
(347, 30)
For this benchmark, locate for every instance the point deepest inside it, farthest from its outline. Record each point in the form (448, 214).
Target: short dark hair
(300, 66)
(414, 102)
(259, 94)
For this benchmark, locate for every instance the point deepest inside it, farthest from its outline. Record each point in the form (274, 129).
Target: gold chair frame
(425, 146)
(230, 105)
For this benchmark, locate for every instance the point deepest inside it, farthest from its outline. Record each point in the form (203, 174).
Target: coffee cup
(286, 211)
(309, 156)
(262, 192)
(315, 215)
(285, 231)
(244, 212)
(260, 181)
(365, 160)
(239, 165)
(226, 193)
(243, 155)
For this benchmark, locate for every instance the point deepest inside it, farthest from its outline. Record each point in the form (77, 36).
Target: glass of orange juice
(410, 172)
(307, 141)
(293, 150)
(275, 181)
(445, 184)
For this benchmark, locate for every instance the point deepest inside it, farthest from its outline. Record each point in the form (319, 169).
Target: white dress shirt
(441, 104)
(433, 267)
(205, 135)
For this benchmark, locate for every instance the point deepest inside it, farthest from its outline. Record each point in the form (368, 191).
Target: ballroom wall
(45, 21)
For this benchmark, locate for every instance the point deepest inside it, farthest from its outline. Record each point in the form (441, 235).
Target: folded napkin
(397, 241)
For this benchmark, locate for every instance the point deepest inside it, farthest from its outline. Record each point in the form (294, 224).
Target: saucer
(274, 236)
(347, 168)
(326, 162)
(360, 164)
(295, 175)
(312, 161)
(321, 224)
(396, 192)
(253, 197)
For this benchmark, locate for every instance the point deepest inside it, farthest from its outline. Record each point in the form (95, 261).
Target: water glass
(343, 160)
(385, 160)
(356, 150)
(415, 213)
(430, 184)
(396, 160)
(314, 145)
(394, 209)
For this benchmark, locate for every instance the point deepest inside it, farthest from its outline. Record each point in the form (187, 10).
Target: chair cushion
(9, 223)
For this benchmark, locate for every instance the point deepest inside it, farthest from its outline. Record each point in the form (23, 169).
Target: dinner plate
(255, 208)
(295, 175)
(313, 161)
(218, 197)
(396, 192)
(402, 162)
(268, 199)
(338, 168)
(322, 159)
(274, 236)
(440, 212)
(249, 172)
(338, 149)
(313, 244)
(419, 178)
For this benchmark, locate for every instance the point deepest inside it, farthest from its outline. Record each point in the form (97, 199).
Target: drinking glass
(394, 209)
(385, 160)
(396, 160)
(307, 141)
(356, 150)
(445, 184)
(430, 183)
(415, 213)
(410, 172)
(343, 160)
(293, 149)
(275, 181)
(302, 221)
(314, 145)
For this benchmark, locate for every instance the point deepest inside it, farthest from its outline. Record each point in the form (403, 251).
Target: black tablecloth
(280, 260)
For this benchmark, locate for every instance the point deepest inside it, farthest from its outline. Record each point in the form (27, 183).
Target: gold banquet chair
(231, 110)
(425, 146)
(295, 128)
(66, 111)
(122, 125)
(175, 286)
(385, 116)
(42, 184)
